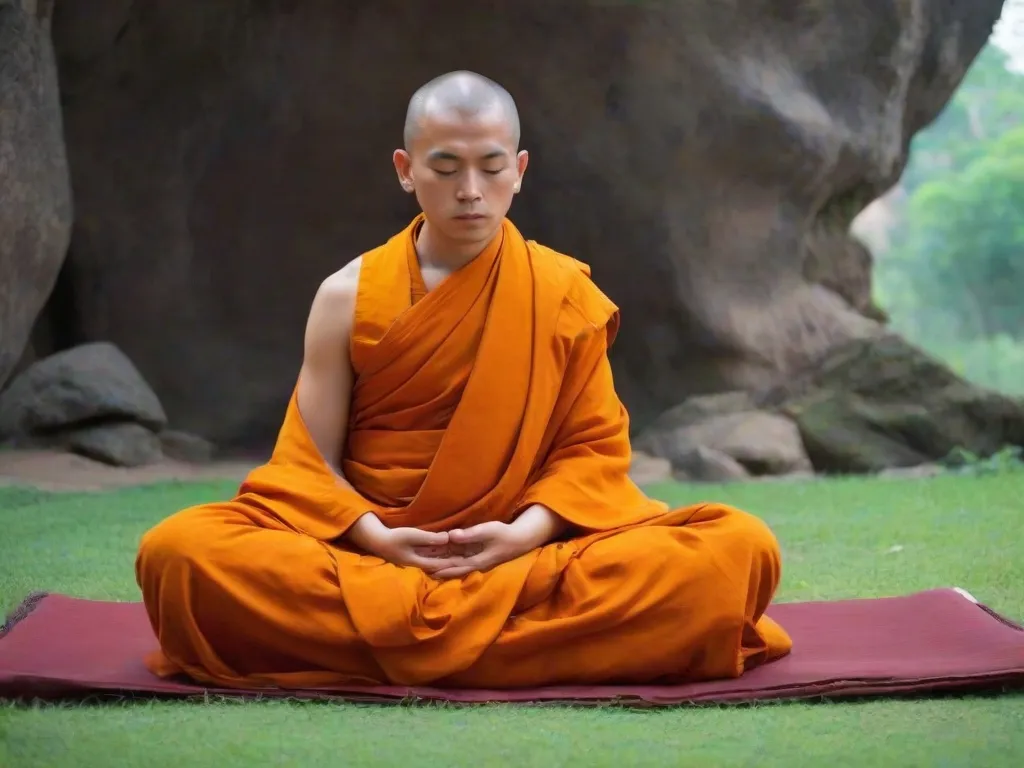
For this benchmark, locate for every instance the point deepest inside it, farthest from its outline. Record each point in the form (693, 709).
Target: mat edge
(983, 684)
(22, 611)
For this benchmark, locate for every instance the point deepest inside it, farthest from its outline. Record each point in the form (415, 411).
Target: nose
(469, 189)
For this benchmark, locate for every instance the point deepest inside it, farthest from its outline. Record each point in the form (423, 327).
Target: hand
(483, 547)
(402, 546)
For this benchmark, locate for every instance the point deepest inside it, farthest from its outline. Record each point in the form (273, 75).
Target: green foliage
(955, 267)
(989, 101)
(1009, 459)
(996, 362)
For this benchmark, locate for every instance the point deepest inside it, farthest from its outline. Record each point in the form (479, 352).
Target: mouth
(470, 216)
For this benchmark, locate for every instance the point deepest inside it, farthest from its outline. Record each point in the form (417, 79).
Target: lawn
(841, 538)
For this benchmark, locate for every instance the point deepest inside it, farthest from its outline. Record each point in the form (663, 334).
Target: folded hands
(459, 552)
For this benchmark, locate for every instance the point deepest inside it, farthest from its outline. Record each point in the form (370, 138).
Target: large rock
(227, 156)
(884, 404)
(35, 192)
(760, 443)
(83, 386)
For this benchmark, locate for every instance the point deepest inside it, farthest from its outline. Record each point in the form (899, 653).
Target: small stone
(762, 443)
(187, 447)
(123, 444)
(647, 470)
(708, 465)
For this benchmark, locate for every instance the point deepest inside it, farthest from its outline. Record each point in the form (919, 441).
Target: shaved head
(460, 94)
(462, 162)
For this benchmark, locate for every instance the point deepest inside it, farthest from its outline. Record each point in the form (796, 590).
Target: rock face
(705, 158)
(35, 191)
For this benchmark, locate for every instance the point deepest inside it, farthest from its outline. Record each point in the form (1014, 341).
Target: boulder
(645, 469)
(761, 443)
(35, 190)
(709, 465)
(705, 158)
(698, 409)
(186, 447)
(82, 386)
(883, 404)
(122, 444)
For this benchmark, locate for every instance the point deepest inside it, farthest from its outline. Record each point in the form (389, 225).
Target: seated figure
(448, 502)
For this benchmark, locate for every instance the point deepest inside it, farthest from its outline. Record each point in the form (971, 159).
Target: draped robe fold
(480, 398)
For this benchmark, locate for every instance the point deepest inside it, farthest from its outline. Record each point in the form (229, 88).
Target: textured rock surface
(883, 403)
(646, 470)
(709, 465)
(184, 446)
(121, 444)
(35, 191)
(761, 443)
(226, 156)
(81, 386)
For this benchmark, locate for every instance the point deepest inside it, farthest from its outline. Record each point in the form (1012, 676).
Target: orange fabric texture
(472, 402)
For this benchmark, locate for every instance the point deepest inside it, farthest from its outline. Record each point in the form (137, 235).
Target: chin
(472, 227)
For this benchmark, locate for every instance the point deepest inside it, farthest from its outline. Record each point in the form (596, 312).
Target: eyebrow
(439, 154)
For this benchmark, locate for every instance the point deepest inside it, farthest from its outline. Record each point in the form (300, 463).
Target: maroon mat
(941, 640)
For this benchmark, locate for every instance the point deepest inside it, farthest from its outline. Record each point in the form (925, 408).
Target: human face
(464, 172)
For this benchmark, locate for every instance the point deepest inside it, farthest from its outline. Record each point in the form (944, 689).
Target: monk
(448, 502)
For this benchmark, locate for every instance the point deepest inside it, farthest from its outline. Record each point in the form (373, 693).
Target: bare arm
(325, 382)
(325, 379)
(539, 525)
(324, 399)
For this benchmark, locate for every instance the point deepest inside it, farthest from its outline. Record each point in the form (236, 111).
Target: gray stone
(84, 384)
(35, 189)
(124, 444)
(763, 443)
(885, 404)
(708, 465)
(184, 446)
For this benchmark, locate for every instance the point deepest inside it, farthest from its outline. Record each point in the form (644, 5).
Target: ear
(522, 160)
(403, 167)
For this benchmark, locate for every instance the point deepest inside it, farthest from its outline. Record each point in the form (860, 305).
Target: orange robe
(490, 393)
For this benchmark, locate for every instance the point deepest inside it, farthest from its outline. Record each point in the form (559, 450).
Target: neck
(436, 250)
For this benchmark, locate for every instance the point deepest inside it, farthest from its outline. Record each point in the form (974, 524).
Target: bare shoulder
(336, 296)
(343, 284)
(332, 313)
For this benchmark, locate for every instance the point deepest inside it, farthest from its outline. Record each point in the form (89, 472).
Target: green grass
(841, 538)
